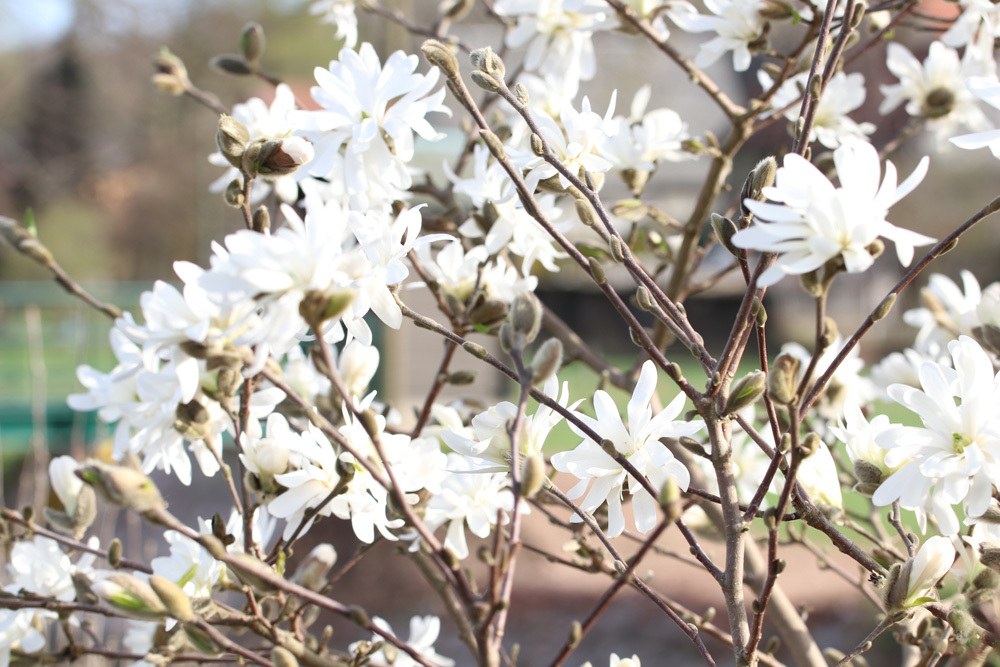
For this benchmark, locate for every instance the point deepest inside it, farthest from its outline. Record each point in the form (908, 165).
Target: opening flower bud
(231, 136)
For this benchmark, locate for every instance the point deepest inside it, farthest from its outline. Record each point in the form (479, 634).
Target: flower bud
(809, 445)
(597, 271)
(782, 380)
(462, 378)
(441, 56)
(725, 230)
(276, 157)
(485, 81)
(585, 212)
(745, 391)
(644, 298)
(521, 94)
(488, 62)
(191, 420)
(547, 361)
(234, 193)
(318, 306)
(313, 571)
(497, 149)
(123, 486)
(115, 553)
(475, 349)
(171, 76)
(252, 42)
(526, 315)
(231, 136)
(231, 64)
(173, 598)
(131, 595)
(533, 475)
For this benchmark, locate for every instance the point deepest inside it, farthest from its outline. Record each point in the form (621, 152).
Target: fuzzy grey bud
(526, 315)
(488, 62)
(231, 64)
(597, 270)
(547, 361)
(782, 380)
(319, 306)
(521, 94)
(485, 81)
(252, 42)
(475, 349)
(884, 307)
(234, 193)
(725, 230)
(533, 475)
(496, 147)
(171, 76)
(746, 391)
(442, 56)
(261, 219)
(173, 598)
(23, 241)
(131, 595)
(313, 571)
(122, 485)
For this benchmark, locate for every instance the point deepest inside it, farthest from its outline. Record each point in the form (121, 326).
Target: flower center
(959, 442)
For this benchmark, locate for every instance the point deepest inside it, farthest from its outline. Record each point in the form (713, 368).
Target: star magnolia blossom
(639, 442)
(988, 90)
(369, 114)
(932, 561)
(832, 126)
(954, 457)
(341, 14)
(737, 24)
(935, 89)
(809, 221)
(949, 310)
(424, 631)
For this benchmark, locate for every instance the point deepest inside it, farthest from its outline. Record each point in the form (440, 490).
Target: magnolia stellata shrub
(266, 351)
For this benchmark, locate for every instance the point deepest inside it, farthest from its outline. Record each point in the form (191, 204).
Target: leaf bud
(234, 193)
(231, 64)
(496, 147)
(809, 445)
(252, 42)
(173, 598)
(526, 315)
(537, 145)
(644, 298)
(829, 334)
(171, 76)
(585, 212)
(670, 500)
(24, 242)
(617, 249)
(884, 307)
(131, 595)
(533, 475)
(313, 571)
(475, 349)
(123, 486)
(488, 62)
(358, 615)
(547, 361)
(115, 553)
(521, 94)
(231, 136)
(462, 378)
(261, 221)
(725, 229)
(745, 391)
(575, 633)
(782, 380)
(442, 56)
(597, 270)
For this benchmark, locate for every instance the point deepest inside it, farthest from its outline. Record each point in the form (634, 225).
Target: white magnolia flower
(954, 457)
(818, 476)
(368, 117)
(558, 35)
(424, 631)
(845, 385)
(489, 443)
(341, 14)
(932, 561)
(64, 482)
(41, 567)
(462, 274)
(935, 89)
(357, 364)
(643, 139)
(514, 230)
(948, 312)
(189, 566)
(17, 632)
(469, 496)
(978, 16)
(899, 368)
(832, 126)
(314, 477)
(576, 140)
(639, 442)
(263, 122)
(736, 23)
(988, 90)
(860, 435)
(615, 661)
(808, 221)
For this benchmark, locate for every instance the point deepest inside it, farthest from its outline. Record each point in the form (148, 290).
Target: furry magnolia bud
(442, 56)
(276, 157)
(525, 315)
(783, 379)
(122, 485)
(488, 62)
(319, 306)
(131, 595)
(252, 42)
(173, 598)
(547, 361)
(171, 76)
(725, 230)
(533, 475)
(745, 391)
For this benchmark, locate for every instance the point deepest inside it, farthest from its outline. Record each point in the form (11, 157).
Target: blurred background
(117, 178)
